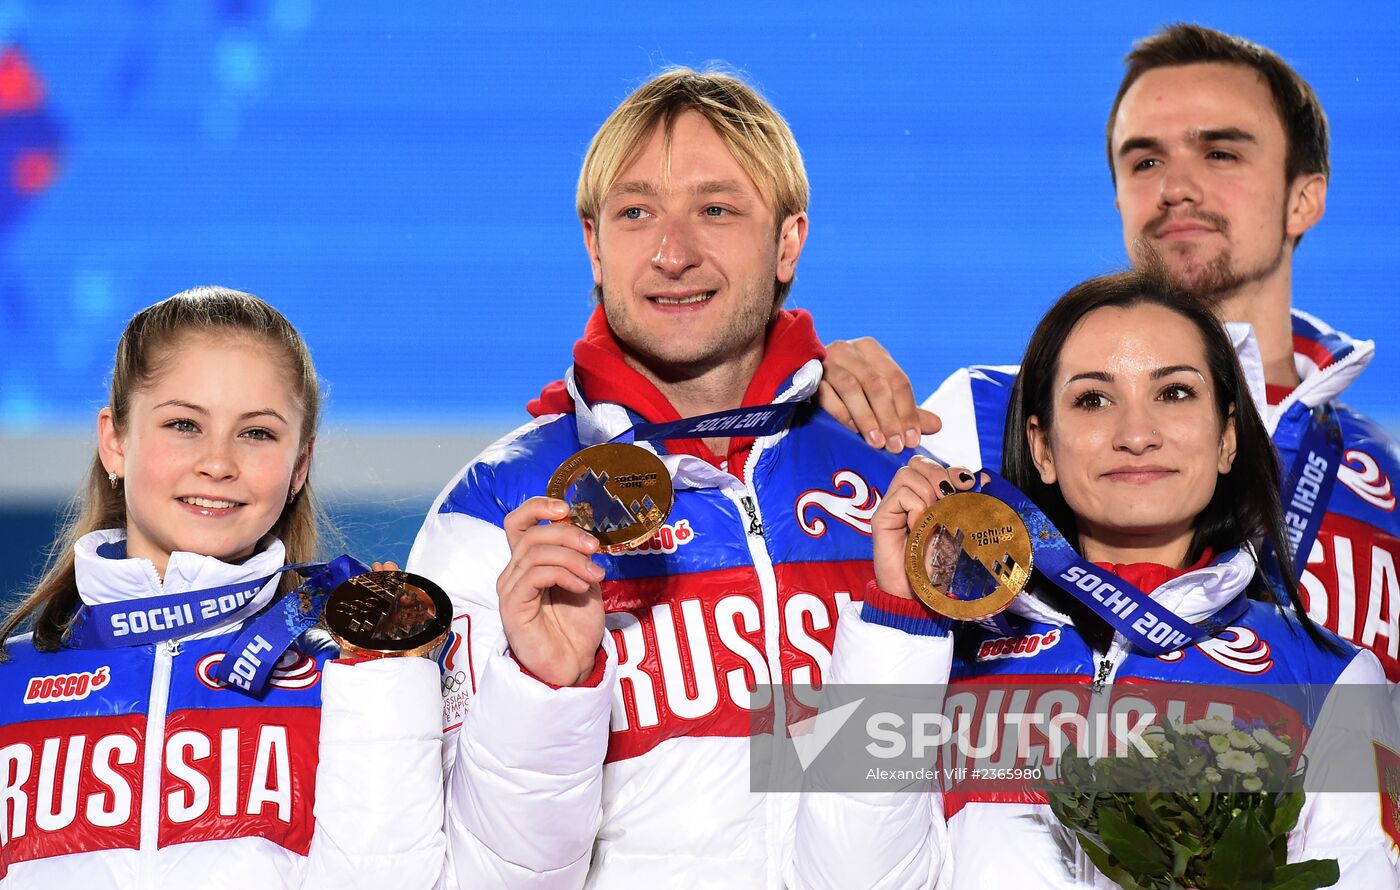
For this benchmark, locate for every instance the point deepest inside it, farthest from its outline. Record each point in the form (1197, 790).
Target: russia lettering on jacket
(224, 773)
(694, 664)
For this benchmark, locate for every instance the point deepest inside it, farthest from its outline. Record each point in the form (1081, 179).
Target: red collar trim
(603, 375)
(1275, 394)
(1148, 576)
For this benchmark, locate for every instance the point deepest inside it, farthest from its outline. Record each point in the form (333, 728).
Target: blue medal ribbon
(252, 655)
(1307, 488)
(250, 658)
(760, 420)
(159, 618)
(1147, 625)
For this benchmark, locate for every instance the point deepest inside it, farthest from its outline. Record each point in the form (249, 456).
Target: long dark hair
(142, 355)
(1245, 507)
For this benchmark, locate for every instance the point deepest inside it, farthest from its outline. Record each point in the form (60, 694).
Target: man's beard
(1217, 279)
(664, 360)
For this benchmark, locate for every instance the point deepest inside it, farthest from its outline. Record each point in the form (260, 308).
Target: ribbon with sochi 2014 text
(250, 659)
(1150, 627)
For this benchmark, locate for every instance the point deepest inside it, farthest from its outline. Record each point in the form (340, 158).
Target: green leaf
(1241, 859)
(1103, 861)
(1132, 846)
(1287, 806)
(1181, 857)
(1153, 815)
(1307, 875)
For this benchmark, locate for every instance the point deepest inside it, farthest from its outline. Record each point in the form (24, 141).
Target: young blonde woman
(126, 758)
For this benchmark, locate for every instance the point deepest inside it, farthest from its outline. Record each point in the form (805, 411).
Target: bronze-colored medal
(968, 556)
(618, 493)
(388, 613)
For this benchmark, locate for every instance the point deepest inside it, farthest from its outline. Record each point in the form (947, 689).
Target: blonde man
(600, 706)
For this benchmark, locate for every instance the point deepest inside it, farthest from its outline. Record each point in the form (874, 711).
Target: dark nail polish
(945, 488)
(965, 477)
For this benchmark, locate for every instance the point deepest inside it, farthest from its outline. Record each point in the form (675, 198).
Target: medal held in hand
(388, 614)
(618, 493)
(968, 556)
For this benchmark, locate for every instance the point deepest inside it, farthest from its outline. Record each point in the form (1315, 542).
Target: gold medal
(968, 556)
(388, 613)
(618, 493)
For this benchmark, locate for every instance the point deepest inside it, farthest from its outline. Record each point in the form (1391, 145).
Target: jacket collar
(105, 574)
(1194, 596)
(605, 392)
(1327, 361)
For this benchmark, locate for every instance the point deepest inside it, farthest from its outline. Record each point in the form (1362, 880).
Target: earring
(292, 495)
(113, 478)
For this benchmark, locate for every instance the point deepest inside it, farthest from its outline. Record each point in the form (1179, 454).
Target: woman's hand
(917, 485)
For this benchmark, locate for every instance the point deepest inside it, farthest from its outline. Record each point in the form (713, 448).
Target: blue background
(399, 180)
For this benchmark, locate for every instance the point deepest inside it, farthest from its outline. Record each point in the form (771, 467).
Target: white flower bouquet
(1211, 809)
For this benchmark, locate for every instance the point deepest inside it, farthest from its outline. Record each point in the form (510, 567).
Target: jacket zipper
(151, 767)
(1098, 701)
(752, 519)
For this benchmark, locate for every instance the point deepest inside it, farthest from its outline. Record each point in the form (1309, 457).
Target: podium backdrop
(399, 180)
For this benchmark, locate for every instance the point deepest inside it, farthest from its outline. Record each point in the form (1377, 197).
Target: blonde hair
(753, 131)
(143, 353)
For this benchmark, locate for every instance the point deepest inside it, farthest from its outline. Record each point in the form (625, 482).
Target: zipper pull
(172, 647)
(755, 527)
(1104, 667)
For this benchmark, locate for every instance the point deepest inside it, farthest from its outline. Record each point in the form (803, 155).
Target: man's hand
(917, 485)
(551, 605)
(863, 388)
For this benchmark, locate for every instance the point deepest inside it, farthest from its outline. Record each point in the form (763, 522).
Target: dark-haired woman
(1132, 429)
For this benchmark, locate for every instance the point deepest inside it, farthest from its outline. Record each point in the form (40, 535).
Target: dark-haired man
(1219, 156)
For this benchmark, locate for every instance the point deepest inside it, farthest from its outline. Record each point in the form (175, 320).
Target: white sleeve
(1348, 825)
(524, 761)
(956, 443)
(379, 779)
(887, 840)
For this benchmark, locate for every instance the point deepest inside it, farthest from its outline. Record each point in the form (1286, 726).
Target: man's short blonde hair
(753, 131)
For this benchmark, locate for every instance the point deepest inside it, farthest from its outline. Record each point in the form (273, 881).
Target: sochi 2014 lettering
(66, 687)
(163, 618)
(293, 670)
(1148, 623)
(719, 424)
(1302, 501)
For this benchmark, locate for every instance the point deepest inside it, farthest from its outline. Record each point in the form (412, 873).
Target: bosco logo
(1017, 647)
(668, 539)
(65, 687)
